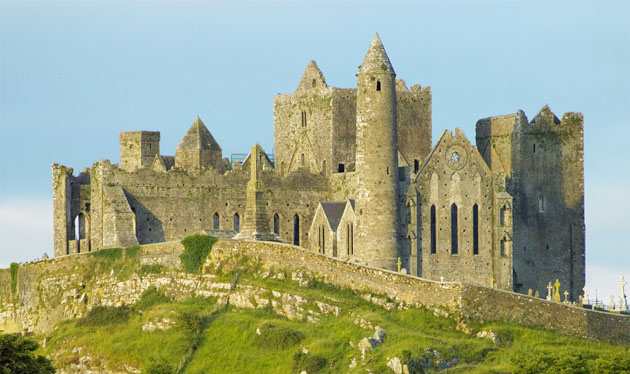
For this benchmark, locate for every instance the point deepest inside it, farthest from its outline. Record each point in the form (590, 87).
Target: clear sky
(73, 74)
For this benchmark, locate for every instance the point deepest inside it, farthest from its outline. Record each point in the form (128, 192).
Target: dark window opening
(303, 119)
(314, 83)
(352, 238)
(323, 241)
(302, 159)
(215, 221)
(433, 230)
(388, 170)
(416, 166)
(341, 168)
(534, 148)
(378, 85)
(475, 229)
(276, 224)
(237, 223)
(454, 247)
(296, 230)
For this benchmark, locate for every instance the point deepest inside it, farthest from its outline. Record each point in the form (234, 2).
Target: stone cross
(399, 264)
(566, 297)
(549, 290)
(611, 306)
(556, 292)
(622, 294)
(491, 282)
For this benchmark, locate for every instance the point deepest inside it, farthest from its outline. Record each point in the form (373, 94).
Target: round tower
(377, 160)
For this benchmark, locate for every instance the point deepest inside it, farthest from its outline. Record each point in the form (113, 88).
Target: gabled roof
(376, 60)
(546, 116)
(198, 137)
(333, 212)
(312, 77)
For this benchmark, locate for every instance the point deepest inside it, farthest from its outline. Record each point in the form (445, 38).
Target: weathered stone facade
(507, 213)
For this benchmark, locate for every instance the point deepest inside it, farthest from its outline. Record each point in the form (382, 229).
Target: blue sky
(73, 74)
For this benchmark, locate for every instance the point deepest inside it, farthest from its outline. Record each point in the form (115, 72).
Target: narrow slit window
(433, 230)
(237, 223)
(276, 224)
(378, 85)
(296, 230)
(215, 221)
(534, 148)
(475, 229)
(454, 238)
(416, 166)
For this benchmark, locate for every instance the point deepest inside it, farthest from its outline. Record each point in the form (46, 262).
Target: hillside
(141, 312)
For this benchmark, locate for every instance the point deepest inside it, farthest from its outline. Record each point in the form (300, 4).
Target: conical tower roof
(376, 60)
(312, 77)
(198, 137)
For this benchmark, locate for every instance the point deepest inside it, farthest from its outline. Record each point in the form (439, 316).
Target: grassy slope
(227, 341)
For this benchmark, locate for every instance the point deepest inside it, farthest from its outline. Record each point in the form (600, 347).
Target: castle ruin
(355, 177)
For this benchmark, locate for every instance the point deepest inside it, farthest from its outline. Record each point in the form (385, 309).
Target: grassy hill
(306, 325)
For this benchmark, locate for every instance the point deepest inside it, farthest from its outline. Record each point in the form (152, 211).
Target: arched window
(237, 223)
(378, 85)
(433, 230)
(215, 221)
(454, 239)
(475, 229)
(296, 230)
(276, 224)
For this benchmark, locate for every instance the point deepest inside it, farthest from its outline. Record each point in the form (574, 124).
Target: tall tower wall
(138, 149)
(377, 160)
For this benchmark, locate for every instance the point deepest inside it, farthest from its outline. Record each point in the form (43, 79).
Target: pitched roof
(376, 60)
(198, 137)
(545, 115)
(312, 77)
(333, 212)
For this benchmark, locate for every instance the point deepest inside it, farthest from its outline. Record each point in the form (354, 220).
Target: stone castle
(355, 177)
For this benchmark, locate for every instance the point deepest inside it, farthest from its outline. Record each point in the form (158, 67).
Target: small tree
(17, 356)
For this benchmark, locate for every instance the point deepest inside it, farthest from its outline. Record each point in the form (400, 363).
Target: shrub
(561, 362)
(196, 250)
(277, 337)
(190, 323)
(14, 276)
(151, 269)
(309, 363)
(16, 356)
(150, 297)
(105, 315)
(160, 367)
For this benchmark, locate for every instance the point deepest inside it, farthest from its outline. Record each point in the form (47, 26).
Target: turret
(377, 160)
(138, 149)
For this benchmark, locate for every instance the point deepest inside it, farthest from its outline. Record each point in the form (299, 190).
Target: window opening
(378, 85)
(541, 204)
(276, 224)
(216, 221)
(302, 159)
(454, 247)
(475, 229)
(416, 166)
(433, 230)
(534, 148)
(296, 230)
(237, 223)
(341, 168)
(303, 118)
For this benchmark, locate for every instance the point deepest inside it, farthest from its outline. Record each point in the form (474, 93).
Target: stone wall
(66, 287)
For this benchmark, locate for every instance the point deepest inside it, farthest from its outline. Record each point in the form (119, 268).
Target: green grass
(210, 338)
(15, 267)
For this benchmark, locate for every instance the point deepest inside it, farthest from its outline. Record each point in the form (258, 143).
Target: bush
(105, 315)
(150, 297)
(190, 323)
(151, 269)
(277, 337)
(16, 356)
(562, 362)
(196, 250)
(160, 367)
(14, 276)
(309, 363)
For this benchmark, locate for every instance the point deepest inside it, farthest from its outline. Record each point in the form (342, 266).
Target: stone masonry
(505, 212)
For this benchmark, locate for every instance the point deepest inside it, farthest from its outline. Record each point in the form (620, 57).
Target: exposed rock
(395, 365)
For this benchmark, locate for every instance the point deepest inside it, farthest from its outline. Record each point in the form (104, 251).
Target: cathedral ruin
(355, 177)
